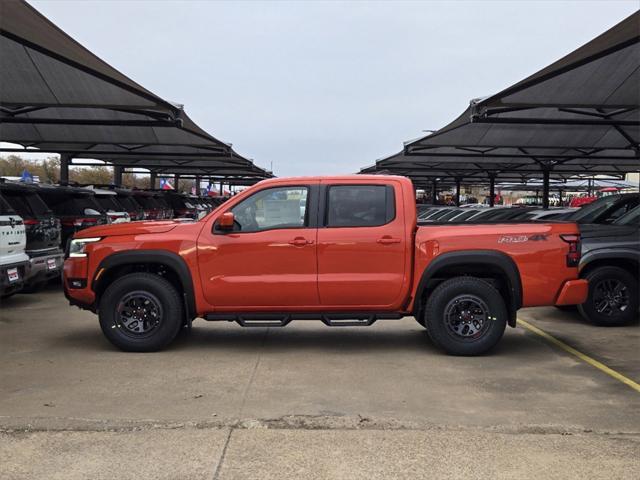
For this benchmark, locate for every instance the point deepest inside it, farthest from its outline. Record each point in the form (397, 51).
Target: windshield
(108, 203)
(5, 208)
(27, 204)
(594, 209)
(632, 217)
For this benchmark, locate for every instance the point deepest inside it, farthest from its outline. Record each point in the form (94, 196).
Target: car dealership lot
(305, 400)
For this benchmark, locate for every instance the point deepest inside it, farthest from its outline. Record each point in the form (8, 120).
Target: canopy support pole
(434, 192)
(197, 182)
(152, 179)
(560, 197)
(65, 159)
(117, 176)
(221, 188)
(492, 190)
(457, 198)
(176, 179)
(545, 187)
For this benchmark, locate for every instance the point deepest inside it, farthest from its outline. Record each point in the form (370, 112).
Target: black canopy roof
(59, 97)
(579, 114)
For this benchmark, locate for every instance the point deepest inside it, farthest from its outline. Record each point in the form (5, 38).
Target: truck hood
(132, 228)
(605, 230)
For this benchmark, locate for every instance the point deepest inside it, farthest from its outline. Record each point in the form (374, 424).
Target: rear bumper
(573, 292)
(7, 287)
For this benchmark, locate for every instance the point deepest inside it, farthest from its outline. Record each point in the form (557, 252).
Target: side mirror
(226, 221)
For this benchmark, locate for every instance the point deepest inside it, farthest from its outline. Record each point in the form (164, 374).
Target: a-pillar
(65, 160)
(152, 179)
(117, 176)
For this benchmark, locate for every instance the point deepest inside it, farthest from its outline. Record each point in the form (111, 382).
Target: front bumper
(76, 270)
(45, 267)
(573, 292)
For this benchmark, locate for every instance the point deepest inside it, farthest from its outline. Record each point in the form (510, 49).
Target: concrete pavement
(306, 399)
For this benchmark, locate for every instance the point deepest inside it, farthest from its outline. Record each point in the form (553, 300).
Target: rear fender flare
(489, 258)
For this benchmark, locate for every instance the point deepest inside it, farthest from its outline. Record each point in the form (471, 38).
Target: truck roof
(354, 177)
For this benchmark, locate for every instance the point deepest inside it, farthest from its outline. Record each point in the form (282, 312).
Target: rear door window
(359, 205)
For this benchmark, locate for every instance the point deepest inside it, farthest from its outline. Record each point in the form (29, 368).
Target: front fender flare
(158, 257)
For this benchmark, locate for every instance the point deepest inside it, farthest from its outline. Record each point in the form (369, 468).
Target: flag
(165, 185)
(26, 176)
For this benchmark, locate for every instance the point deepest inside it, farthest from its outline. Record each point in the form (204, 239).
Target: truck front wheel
(465, 316)
(140, 312)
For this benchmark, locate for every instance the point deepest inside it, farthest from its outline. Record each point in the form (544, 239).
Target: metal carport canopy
(59, 97)
(580, 113)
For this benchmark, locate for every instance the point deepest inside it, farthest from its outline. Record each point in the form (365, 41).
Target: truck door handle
(300, 242)
(387, 240)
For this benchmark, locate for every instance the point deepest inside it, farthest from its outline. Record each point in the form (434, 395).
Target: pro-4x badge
(536, 237)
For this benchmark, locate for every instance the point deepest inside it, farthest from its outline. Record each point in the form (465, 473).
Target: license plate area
(51, 264)
(13, 274)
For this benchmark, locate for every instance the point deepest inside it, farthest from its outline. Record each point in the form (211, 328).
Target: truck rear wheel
(465, 316)
(613, 297)
(140, 312)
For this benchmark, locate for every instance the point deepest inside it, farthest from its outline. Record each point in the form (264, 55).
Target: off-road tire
(588, 309)
(445, 298)
(158, 288)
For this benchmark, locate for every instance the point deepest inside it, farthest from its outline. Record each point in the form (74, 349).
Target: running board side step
(352, 319)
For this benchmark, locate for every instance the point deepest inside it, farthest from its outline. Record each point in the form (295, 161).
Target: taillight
(573, 256)
(31, 221)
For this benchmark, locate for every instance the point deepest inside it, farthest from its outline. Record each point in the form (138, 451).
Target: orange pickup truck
(344, 250)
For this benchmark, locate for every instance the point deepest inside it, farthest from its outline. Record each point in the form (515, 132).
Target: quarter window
(273, 208)
(359, 205)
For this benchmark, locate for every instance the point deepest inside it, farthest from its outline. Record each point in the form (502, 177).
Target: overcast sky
(328, 87)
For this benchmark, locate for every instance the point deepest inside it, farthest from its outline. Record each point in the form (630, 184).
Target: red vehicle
(344, 250)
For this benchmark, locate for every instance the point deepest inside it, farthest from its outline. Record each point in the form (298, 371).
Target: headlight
(77, 246)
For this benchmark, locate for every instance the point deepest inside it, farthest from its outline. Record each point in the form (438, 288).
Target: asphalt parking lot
(308, 401)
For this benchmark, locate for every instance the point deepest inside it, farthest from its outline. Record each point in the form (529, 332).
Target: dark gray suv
(611, 262)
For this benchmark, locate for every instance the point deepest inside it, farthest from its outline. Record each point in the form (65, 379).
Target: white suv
(14, 262)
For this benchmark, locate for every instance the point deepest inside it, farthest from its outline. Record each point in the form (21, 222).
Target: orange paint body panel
(316, 268)
(574, 292)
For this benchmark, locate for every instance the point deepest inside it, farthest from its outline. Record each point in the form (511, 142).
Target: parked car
(43, 232)
(152, 210)
(126, 200)
(356, 256)
(129, 203)
(181, 205)
(605, 209)
(108, 200)
(542, 214)
(611, 263)
(14, 262)
(165, 208)
(75, 207)
(202, 209)
(499, 214)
